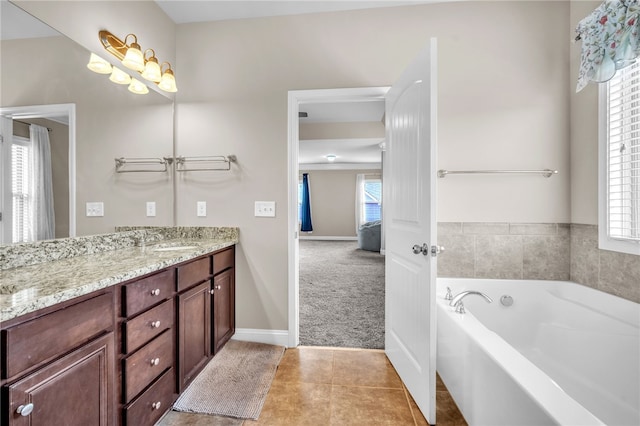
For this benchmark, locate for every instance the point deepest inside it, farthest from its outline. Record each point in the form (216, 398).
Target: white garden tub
(562, 353)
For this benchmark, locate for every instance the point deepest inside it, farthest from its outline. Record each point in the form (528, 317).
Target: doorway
(297, 100)
(64, 114)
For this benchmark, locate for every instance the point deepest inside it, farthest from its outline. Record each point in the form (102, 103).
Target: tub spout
(457, 300)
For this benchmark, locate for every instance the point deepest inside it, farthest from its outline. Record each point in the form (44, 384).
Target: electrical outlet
(201, 208)
(151, 208)
(265, 209)
(95, 208)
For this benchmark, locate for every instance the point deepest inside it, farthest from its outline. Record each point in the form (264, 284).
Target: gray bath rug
(234, 383)
(341, 295)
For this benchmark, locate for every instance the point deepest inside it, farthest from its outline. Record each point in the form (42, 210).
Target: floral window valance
(610, 40)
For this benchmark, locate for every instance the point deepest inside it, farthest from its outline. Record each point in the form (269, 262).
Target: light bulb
(99, 65)
(152, 70)
(138, 87)
(119, 77)
(168, 82)
(134, 59)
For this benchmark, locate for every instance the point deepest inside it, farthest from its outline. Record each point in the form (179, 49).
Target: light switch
(201, 208)
(95, 208)
(265, 209)
(151, 208)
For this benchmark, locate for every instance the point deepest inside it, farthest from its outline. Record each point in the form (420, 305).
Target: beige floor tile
(295, 404)
(364, 368)
(447, 413)
(369, 406)
(306, 365)
(415, 410)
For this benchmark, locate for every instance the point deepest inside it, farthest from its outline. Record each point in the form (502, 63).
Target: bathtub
(562, 354)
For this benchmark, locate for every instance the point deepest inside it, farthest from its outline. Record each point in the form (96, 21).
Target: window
(20, 164)
(619, 216)
(368, 198)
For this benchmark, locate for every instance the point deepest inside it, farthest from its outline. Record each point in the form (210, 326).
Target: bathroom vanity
(131, 329)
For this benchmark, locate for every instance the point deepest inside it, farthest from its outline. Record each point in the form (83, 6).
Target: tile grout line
(406, 396)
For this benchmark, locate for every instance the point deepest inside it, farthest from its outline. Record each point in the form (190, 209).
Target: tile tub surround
(29, 288)
(24, 254)
(546, 251)
(608, 271)
(504, 250)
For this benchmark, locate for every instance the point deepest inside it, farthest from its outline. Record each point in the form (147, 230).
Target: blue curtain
(306, 205)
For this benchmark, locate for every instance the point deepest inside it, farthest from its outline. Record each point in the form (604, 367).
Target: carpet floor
(341, 295)
(234, 383)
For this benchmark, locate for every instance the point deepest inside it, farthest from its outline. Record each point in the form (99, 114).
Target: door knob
(424, 249)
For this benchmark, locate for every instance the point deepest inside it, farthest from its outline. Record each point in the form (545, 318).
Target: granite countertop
(29, 288)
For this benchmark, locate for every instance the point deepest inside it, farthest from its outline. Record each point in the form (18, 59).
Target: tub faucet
(457, 300)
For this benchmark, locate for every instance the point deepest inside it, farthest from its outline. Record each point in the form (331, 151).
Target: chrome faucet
(457, 300)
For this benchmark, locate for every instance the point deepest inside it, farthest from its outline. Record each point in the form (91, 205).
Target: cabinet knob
(155, 361)
(156, 405)
(218, 287)
(155, 324)
(211, 291)
(25, 410)
(155, 292)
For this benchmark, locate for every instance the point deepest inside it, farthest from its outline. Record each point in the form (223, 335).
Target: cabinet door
(194, 332)
(224, 313)
(75, 390)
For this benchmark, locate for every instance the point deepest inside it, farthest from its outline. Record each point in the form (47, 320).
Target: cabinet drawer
(148, 325)
(47, 337)
(223, 260)
(154, 402)
(193, 273)
(139, 295)
(145, 365)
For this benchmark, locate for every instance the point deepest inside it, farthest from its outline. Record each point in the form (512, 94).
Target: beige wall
(111, 122)
(503, 103)
(312, 131)
(584, 130)
(333, 202)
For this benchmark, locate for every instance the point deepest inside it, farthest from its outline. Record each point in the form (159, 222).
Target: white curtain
(360, 178)
(42, 219)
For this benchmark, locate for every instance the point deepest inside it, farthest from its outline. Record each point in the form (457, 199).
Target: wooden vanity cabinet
(58, 364)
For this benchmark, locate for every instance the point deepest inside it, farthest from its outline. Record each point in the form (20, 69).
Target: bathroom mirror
(45, 69)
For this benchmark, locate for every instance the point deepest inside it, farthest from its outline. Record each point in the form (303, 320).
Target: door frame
(296, 98)
(50, 111)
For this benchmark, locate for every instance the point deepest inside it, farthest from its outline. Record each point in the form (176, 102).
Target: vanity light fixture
(119, 77)
(331, 158)
(151, 70)
(99, 65)
(132, 57)
(138, 87)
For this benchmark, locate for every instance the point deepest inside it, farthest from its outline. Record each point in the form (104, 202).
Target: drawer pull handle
(156, 405)
(25, 410)
(155, 292)
(155, 324)
(155, 361)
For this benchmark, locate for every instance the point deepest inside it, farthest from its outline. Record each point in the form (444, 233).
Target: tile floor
(331, 386)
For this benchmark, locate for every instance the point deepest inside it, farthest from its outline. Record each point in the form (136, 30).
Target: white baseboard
(320, 238)
(271, 337)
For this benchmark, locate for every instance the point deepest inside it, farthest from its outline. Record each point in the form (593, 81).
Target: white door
(6, 200)
(410, 220)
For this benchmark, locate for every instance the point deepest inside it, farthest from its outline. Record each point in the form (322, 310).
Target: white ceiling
(185, 11)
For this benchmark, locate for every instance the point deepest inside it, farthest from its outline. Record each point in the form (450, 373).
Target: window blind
(19, 189)
(623, 154)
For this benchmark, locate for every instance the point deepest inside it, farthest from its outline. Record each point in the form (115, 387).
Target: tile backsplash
(544, 251)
